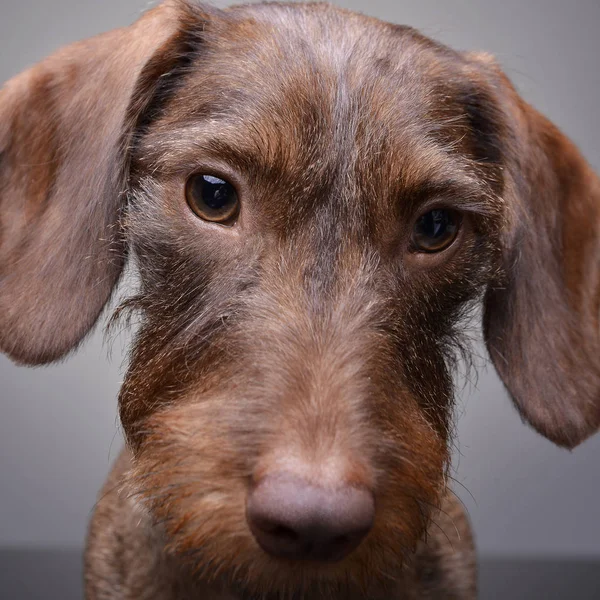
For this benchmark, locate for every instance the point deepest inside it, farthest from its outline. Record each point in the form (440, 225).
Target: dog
(314, 200)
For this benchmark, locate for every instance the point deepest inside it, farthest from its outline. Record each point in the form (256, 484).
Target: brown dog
(313, 200)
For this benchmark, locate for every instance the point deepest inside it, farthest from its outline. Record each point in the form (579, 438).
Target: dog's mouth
(241, 594)
(310, 590)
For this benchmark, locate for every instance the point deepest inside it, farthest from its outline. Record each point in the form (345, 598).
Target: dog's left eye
(211, 198)
(435, 230)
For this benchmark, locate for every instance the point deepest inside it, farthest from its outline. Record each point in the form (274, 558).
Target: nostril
(275, 529)
(285, 533)
(340, 540)
(293, 519)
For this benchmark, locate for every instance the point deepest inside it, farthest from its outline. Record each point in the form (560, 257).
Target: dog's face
(303, 326)
(314, 200)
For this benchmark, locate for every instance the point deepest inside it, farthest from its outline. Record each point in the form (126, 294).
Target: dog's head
(313, 198)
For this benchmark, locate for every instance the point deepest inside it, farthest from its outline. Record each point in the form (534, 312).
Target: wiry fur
(307, 336)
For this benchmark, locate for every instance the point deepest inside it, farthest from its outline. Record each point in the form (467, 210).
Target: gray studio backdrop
(58, 425)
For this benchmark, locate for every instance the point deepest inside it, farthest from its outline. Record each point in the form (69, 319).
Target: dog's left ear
(542, 314)
(65, 128)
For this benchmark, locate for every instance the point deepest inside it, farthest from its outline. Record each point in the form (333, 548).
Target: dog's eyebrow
(175, 149)
(430, 174)
(460, 190)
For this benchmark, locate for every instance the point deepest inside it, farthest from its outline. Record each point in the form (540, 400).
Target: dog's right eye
(211, 198)
(435, 231)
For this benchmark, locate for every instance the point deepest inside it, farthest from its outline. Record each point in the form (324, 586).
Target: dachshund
(315, 201)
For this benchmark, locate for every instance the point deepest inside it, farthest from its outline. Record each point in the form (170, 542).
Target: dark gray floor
(50, 575)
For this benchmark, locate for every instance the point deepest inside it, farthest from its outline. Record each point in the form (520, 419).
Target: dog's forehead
(300, 72)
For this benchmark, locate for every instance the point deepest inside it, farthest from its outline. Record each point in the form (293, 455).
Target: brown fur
(307, 335)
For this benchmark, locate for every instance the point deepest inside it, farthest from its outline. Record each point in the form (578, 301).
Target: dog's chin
(309, 593)
(314, 592)
(308, 587)
(262, 577)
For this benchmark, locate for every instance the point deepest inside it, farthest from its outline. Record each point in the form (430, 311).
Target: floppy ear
(541, 316)
(65, 126)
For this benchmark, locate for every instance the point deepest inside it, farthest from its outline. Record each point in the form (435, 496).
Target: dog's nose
(293, 519)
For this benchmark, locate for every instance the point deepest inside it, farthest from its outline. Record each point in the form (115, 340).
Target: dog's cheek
(192, 479)
(411, 460)
(409, 415)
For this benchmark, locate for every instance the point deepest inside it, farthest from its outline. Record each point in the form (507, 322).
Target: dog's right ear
(65, 128)
(542, 309)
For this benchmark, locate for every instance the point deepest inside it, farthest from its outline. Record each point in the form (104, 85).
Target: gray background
(58, 426)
